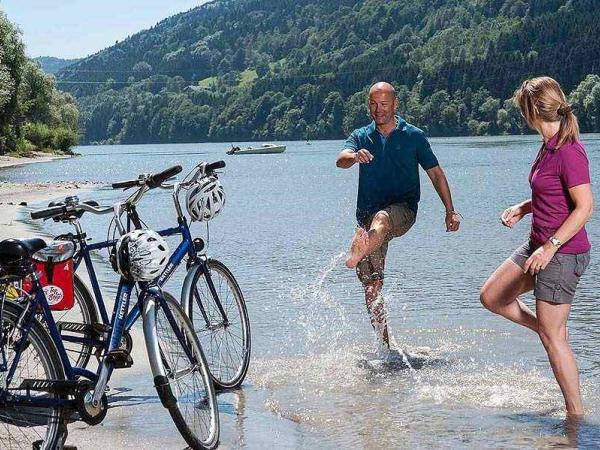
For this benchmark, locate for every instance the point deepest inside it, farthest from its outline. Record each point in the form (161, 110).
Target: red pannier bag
(54, 266)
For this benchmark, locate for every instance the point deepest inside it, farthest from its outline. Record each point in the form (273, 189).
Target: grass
(208, 83)
(247, 77)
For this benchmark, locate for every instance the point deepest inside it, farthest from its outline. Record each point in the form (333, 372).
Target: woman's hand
(511, 216)
(539, 259)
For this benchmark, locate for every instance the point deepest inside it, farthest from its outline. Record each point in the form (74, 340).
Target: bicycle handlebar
(152, 181)
(49, 212)
(158, 178)
(59, 210)
(214, 166)
(125, 184)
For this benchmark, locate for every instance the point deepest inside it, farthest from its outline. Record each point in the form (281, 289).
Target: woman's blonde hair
(542, 99)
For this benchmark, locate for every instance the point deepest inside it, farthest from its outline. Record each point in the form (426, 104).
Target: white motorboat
(262, 150)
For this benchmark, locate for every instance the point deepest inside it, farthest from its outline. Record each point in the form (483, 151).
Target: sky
(78, 28)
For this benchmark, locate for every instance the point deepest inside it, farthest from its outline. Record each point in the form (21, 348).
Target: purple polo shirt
(552, 174)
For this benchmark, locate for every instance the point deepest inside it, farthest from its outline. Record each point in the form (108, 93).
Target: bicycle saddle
(12, 250)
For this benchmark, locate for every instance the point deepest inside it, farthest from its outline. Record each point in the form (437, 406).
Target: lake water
(289, 218)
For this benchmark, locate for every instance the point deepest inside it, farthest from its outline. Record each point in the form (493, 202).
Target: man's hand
(452, 221)
(539, 259)
(511, 216)
(363, 156)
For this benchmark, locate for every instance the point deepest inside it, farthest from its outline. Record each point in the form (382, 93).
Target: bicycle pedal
(119, 358)
(51, 386)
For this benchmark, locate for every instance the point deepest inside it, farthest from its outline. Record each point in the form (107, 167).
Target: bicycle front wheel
(225, 339)
(23, 426)
(181, 374)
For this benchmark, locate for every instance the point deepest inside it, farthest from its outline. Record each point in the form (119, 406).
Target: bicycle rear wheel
(184, 384)
(226, 343)
(84, 313)
(26, 426)
(76, 321)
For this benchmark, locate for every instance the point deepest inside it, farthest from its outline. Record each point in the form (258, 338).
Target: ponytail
(569, 127)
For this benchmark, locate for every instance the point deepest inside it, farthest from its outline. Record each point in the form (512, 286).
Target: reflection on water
(483, 382)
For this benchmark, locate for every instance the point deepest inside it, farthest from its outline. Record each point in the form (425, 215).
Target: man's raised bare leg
(364, 243)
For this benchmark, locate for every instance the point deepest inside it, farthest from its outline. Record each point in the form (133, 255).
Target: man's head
(383, 103)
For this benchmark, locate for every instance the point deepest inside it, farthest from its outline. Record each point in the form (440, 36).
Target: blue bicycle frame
(186, 247)
(121, 320)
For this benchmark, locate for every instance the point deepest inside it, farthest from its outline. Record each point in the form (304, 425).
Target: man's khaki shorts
(402, 218)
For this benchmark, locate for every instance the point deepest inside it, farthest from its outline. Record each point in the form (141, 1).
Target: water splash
(322, 322)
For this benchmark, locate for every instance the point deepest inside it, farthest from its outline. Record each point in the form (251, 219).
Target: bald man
(388, 152)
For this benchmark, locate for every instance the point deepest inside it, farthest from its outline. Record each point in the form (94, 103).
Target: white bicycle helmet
(205, 199)
(141, 255)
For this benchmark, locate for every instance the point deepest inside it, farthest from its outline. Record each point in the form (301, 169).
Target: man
(388, 152)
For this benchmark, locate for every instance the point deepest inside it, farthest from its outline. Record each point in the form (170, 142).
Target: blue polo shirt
(393, 174)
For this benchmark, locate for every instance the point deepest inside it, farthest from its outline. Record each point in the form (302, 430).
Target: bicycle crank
(90, 413)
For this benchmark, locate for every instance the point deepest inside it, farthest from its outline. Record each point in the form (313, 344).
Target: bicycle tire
(228, 369)
(168, 360)
(41, 427)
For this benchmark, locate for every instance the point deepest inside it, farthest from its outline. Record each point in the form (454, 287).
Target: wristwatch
(554, 241)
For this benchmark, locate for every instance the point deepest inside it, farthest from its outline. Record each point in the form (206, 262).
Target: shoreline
(7, 161)
(15, 197)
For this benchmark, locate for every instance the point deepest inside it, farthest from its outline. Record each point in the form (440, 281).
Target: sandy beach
(12, 161)
(15, 196)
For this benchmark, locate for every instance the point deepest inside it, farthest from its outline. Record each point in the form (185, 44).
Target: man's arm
(348, 157)
(440, 183)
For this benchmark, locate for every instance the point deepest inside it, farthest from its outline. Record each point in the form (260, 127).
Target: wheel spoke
(186, 378)
(226, 346)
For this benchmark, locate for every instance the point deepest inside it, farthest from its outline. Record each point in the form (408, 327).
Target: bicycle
(38, 385)
(210, 294)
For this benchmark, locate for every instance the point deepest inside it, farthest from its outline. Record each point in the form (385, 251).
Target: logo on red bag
(53, 294)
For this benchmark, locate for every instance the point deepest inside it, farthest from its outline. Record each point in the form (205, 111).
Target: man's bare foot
(357, 248)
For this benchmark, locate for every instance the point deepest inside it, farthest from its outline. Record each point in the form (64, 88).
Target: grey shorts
(402, 218)
(558, 281)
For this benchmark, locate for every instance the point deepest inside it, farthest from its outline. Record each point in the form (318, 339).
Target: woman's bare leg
(552, 320)
(500, 294)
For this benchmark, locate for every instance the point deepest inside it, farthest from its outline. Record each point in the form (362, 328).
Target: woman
(556, 254)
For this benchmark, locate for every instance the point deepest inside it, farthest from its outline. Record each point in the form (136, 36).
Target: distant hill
(283, 69)
(53, 65)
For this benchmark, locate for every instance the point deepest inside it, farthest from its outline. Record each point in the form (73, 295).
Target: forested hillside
(33, 114)
(50, 64)
(282, 69)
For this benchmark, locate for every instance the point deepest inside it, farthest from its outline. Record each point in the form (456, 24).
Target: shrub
(64, 139)
(39, 134)
(24, 147)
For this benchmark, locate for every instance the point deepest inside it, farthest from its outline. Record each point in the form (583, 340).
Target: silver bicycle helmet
(141, 255)
(205, 199)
